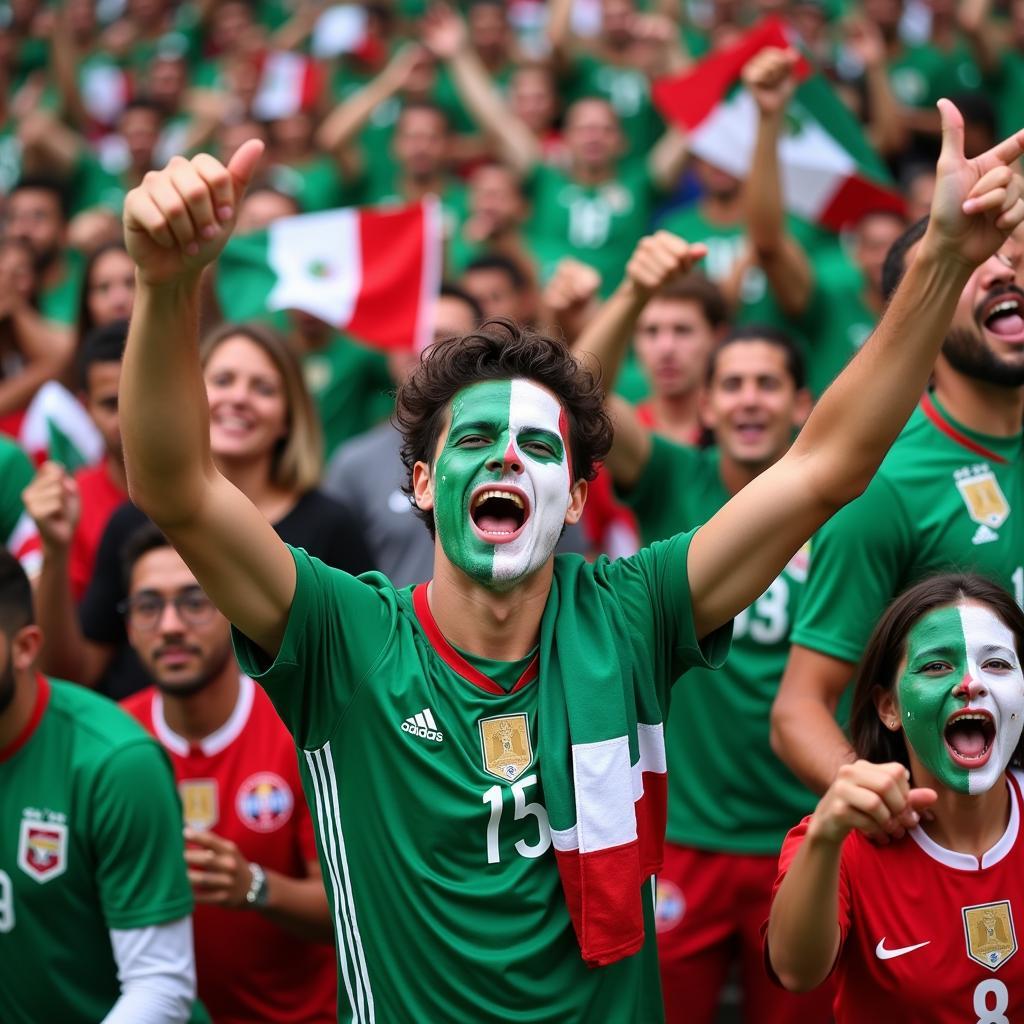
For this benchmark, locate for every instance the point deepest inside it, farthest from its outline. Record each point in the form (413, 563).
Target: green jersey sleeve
(16, 471)
(338, 629)
(858, 559)
(654, 592)
(136, 839)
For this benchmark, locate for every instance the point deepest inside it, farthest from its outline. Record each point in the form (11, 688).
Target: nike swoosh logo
(887, 954)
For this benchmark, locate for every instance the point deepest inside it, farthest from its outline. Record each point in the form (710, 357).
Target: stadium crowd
(710, 204)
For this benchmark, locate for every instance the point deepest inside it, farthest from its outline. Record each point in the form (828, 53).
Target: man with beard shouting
(484, 753)
(948, 497)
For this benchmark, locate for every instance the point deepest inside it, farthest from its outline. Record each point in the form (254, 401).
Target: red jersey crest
(43, 849)
(264, 802)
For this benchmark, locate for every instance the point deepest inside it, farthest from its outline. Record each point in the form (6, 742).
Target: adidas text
(423, 726)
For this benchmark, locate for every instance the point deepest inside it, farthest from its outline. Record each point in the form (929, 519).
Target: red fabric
(249, 968)
(42, 700)
(686, 99)
(604, 888)
(603, 511)
(709, 913)
(901, 896)
(857, 196)
(398, 247)
(100, 497)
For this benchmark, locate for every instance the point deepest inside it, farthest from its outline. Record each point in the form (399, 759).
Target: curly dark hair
(879, 667)
(500, 350)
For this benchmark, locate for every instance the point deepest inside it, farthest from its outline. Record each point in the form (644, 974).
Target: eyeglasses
(146, 610)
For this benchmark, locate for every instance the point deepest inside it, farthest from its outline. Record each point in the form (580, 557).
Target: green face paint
(501, 481)
(961, 696)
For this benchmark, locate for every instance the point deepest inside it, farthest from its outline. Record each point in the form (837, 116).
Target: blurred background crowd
(534, 125)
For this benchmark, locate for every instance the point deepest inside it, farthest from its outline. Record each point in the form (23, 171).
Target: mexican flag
(830, 173)
(373, 272)
(289, 83)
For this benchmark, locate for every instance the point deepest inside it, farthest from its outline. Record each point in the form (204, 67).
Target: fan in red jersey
(916, 913)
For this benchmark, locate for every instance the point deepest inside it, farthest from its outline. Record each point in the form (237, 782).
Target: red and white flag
(373, 272)
(830, 173)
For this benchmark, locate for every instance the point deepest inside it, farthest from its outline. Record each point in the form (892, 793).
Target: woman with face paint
(913, 909)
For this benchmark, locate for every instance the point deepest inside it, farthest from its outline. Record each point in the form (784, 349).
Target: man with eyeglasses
(250, 849)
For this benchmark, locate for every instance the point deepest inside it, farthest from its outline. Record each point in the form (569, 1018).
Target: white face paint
(998, 687)
(502, 480)
(546, 483)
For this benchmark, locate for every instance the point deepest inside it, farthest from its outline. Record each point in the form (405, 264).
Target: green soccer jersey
(16, 471)
(428, 796)
(596, 224)
(717, 799)
(90, 840)
(59, 302)
(945, 499)
(728, 243)
(1005, 87)
(351, 387)
(628, 90)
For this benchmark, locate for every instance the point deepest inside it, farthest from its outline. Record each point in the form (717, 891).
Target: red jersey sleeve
(790, 845)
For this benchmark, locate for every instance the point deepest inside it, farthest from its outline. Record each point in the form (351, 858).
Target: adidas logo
(424, 726)
(984, 535)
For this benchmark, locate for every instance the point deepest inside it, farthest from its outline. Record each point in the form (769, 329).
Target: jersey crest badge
(669, 905)
(199, 803)
(984, 498)
(43, 849)
(506, 747)
(990, 935)
(264, 802)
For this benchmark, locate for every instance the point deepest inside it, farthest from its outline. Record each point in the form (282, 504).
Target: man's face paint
(502, 480)
(961, 696)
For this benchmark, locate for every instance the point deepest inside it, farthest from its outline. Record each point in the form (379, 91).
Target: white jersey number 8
(997, 1014)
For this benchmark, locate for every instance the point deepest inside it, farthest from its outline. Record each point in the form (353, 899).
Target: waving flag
(830, 172)
(374, 273)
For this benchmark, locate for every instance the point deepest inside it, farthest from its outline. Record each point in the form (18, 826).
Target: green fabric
(351, 387)
(417, 815)
(628, 91)
(717, 801)
(914, 520)
(1005, 87)
(315, 185)
(923, 74)
(10, 157)
(16, 471)
(90, 769)
(728, 243)
(59, 302)
(596, 224)
(505, 673)
(835, 324)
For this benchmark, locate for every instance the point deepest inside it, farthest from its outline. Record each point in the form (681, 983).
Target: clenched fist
(53, 503)
(659, 257)
(178, 220)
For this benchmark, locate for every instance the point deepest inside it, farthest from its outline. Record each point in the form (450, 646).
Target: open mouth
(749, 431)
(969, 735)
(1003, 316)
(498, 514)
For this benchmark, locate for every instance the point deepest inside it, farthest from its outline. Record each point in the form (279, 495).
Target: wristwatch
(257, 894)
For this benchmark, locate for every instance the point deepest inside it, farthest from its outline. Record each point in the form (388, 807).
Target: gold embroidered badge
(984, 498)
(505, 744)
(199, 803)
(988, 929)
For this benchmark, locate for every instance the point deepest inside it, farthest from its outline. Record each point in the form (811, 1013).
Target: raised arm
(769, 79)
(804, 925)
(606, 339)
(734, 557)
(176, 222)
(444, 33)
(886, 121)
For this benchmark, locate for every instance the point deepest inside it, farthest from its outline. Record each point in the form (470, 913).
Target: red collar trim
(930, 410)
(42, 700)
(454, 660)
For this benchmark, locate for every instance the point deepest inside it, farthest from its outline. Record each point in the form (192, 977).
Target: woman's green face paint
(961, 696)
(502, 480)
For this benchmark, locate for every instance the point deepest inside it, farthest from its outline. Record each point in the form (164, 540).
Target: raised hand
(770, 79)
(874, 798)
(179, 219)
(443, 32)
(659, 257)
(978, 202)
(52, 500)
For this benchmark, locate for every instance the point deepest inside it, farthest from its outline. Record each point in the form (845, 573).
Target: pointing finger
(952, 131)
